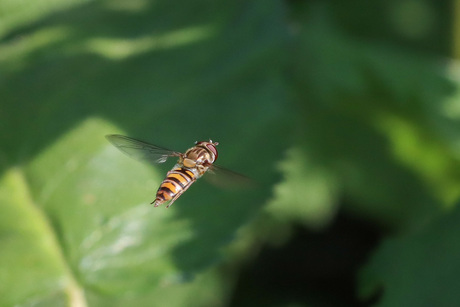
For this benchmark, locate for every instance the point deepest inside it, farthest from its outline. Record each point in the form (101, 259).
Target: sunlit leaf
(372, 115)
(77, 225)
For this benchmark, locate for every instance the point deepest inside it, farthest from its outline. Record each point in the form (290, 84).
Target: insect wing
(141, 150)
(225, 178)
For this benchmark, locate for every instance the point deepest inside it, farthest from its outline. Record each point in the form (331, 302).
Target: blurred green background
(345, 113)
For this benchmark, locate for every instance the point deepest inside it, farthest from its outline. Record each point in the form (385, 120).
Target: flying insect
(191, 165)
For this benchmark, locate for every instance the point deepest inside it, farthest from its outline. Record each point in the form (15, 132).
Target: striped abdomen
(178, 180)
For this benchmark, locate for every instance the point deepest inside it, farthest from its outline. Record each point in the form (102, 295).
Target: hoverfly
(191, 165)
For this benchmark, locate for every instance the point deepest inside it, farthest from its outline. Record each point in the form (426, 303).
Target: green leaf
(308, 193)
(77, 225)
(420, 269)
(33, 267)
(374, 117)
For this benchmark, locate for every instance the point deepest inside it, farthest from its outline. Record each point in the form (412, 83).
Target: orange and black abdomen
(176, 182)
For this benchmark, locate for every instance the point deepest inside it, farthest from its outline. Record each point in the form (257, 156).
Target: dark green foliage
(419, 269)
(314, 101)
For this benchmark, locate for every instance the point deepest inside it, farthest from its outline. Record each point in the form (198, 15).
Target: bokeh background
(344, 113)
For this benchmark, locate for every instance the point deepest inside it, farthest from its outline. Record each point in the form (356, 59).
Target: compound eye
(213, 149)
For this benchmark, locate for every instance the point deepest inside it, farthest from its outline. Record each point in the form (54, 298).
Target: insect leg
(173, 199)
(180, 193)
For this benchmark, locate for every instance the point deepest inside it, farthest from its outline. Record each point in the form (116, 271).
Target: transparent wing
(225, 178)
(140, 150)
